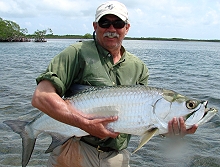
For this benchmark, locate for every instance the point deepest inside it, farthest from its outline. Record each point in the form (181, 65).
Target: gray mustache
(111, 34)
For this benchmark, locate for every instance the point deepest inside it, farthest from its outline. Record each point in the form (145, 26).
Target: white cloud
(28, 24)
(3, 7)
(211, 18)
(46, 8)
(139, 12)
(58, 4)
(160, 18)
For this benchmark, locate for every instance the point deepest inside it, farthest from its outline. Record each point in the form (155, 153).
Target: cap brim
(116, 14)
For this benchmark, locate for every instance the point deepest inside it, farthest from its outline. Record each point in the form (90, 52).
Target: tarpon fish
(141, 110)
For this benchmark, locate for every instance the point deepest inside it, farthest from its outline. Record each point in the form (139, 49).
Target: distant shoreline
(81, 37)
(30, 38)
(173, 39)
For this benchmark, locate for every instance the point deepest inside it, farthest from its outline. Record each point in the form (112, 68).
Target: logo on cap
(110, 7)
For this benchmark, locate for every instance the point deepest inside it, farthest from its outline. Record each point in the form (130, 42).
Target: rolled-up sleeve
(53, 78)
(61, 70)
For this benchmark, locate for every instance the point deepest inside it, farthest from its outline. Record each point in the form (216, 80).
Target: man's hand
(97, 127)
(179, 129)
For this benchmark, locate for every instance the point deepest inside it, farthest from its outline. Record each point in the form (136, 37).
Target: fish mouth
(206, 108)
(206, 111)
(205, 104)
(201, 115)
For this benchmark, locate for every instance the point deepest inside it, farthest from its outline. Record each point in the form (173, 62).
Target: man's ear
(95, 25)
(127, 28)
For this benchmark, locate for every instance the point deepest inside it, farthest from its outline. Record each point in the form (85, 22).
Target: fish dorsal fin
(76, 88)
(146, 137)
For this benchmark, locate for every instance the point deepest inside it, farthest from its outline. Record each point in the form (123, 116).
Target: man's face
(110, 38)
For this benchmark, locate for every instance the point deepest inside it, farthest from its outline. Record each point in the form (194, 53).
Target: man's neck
(116, 55)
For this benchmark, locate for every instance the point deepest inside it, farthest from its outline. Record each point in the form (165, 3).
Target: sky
(189, 19)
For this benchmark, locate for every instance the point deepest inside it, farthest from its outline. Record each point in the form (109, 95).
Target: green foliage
(87, 36)
(40, 35)
(11, 31)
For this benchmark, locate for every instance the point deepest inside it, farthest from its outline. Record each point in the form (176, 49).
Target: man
(102, 61)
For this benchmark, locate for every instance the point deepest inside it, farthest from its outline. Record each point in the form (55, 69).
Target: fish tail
(28, 139)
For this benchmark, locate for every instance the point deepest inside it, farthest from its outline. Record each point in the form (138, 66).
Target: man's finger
(176, 130)
(192, 130)
(109, 119)
(182, 127)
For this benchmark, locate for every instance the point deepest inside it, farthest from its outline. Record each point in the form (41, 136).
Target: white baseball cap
(112, 7)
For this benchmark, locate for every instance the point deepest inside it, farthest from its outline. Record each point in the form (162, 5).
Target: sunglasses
(117, 24)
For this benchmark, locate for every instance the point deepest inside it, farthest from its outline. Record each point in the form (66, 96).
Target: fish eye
(191, 104)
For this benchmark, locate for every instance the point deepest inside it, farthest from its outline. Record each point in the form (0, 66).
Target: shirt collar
(105, 53)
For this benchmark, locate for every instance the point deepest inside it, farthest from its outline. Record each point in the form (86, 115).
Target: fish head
(173, 105)
(193, 118)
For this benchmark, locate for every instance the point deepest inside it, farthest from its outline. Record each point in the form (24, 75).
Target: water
(190, 68)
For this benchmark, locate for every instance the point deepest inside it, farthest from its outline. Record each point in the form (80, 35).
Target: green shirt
(82, 63)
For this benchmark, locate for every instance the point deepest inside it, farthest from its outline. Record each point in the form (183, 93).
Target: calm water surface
(190, 68)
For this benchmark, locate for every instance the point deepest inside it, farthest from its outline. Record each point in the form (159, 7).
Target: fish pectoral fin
(57, 140)
(146, 137)
(109, 111)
